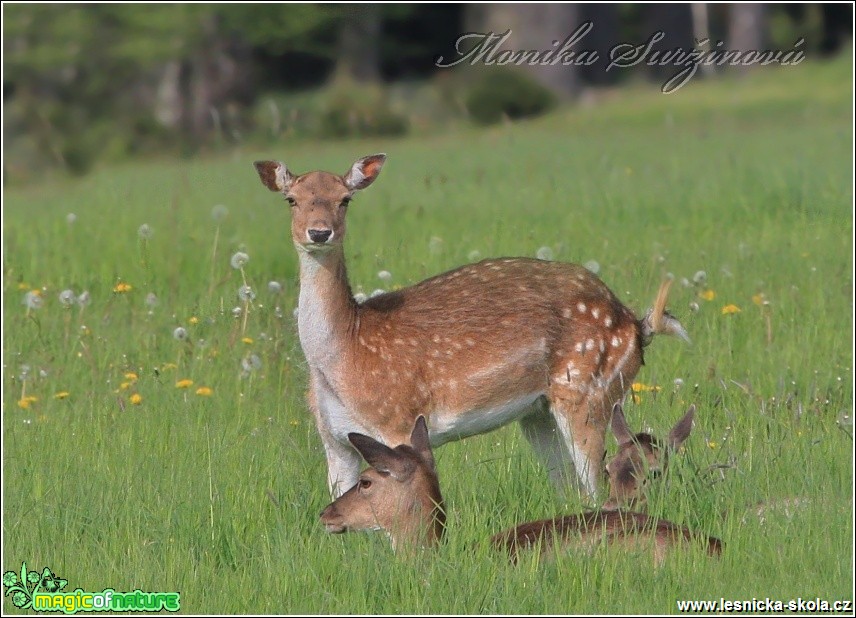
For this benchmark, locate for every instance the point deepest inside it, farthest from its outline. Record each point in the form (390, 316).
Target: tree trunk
(533, 27)
(358, 54)
(747, 27)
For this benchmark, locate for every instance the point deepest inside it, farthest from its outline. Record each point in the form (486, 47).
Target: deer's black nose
(320, 236)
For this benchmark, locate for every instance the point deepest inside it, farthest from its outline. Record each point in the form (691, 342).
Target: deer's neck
(326, 310)
(421, 526)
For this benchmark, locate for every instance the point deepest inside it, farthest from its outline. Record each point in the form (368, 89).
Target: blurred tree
(747, 26)
(533, 27)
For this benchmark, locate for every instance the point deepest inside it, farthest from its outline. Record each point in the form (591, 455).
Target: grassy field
(119, 472)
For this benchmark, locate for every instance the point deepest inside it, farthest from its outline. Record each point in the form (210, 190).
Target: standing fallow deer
(639, 457)
(400, 494)
(472, 349)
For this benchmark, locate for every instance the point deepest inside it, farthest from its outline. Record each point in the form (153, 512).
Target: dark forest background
(88, 83)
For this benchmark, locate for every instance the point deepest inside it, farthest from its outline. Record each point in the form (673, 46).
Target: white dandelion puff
(377, 292)
(236, 312)
(700, 277)
(151, 300)
(385, 275)
(84, 298)
(360, 298)
(145, 231)
(239, 260)
(251, 363)
(693, 306)
(70, 218)
(544, 253)
(67, 298)
(592, 266)
(180, 334)
(33, 300)
(474, 255)
(435, 245)
(219, 213)
(246, 294)
(274, 287)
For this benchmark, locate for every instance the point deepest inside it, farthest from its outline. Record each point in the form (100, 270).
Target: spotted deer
(639, 457)
(543, 343)
(400, 494)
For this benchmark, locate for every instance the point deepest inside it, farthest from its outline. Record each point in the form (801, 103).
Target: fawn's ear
(380, 457)
(682, 428)
(364, 171)
(620, 430)
(420, 441)
(274, 175)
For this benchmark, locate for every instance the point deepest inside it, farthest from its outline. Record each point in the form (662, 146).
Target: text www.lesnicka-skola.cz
(754, 606)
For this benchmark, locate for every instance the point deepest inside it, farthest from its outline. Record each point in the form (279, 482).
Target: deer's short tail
(659, 321)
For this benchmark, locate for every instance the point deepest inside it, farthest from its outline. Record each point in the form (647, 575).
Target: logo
(43, 592)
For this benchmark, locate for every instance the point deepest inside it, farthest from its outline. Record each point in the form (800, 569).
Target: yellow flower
(294, 423)
(729, 309)
(204, 391)
(166, 366)
(759, 299)
(711, 444)
(23, 286)
(62, 395)
(194, 320)
(136, 399)
(122, 287)
(638, 387)
(125, 385)
(184, 383)
(131, 376)
(24, 403)
(707, 294)
(247, 339)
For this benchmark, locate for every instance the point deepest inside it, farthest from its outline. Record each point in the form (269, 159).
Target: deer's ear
(420, 441)
(274, 175)
(364, 171)
(380, 457)
(620, 429)
(682, 429)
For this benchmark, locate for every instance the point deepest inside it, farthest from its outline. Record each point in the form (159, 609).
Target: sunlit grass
(155, 431)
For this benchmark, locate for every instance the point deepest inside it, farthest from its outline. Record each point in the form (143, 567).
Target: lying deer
(400, 493)
(639, 457)
(543, 343)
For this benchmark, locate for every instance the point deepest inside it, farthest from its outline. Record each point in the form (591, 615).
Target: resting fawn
(400, 494)
(543, 343)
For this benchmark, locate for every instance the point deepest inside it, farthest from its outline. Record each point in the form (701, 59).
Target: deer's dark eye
(365, 483)
(345, 202)
(655, 474)
(291, 201)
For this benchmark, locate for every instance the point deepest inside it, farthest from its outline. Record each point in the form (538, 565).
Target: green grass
(218, 496)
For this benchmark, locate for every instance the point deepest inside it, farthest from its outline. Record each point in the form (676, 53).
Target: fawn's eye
(365, 483)
(345, 202)
(291, 201)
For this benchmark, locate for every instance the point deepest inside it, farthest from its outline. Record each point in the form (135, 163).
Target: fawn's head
(639, 458)
(399, 493)
(319, 200)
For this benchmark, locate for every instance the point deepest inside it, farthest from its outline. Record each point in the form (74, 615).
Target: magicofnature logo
(43, 592)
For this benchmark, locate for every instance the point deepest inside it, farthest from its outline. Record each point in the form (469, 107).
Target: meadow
(155, 434)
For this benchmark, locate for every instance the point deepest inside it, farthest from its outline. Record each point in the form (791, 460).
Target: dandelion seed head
(237, 312)
(251, 363)
(278, 312)
(33, 299)
(377, 292)
(145, 231)
(151, 300)
(592, 266)
(435, 245)
(544, 253)
(685, 282)
(84, 298)
(239, 260)
(693, 306)
(385, 275)
(700, 277)
(67, 298)
(474, 255)
(678, 383)
(70, 218)
(180, 334)
(274, 287)
(246, 294)
(360, 298)
(219, 213)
